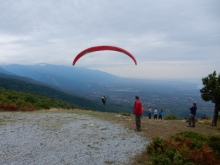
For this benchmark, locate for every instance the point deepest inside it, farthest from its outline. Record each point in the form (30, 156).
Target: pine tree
(211, 92)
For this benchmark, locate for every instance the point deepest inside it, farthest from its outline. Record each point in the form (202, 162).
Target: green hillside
(13, 100)
(46, 91)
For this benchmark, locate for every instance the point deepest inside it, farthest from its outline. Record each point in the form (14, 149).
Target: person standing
(137, 112)
(192, 115)
(160, 113)
(149, 112)
(155, 113)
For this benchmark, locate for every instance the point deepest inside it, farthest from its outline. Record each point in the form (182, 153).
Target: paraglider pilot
(103, 99)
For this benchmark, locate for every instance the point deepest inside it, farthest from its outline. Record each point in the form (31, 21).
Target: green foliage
(211, 89)
(211, 92)
(171, 117)
(125, 114)
(37, 88)
(196, 138)
(185, 148)
(158, 145)
(214, 142)
(165, 153)
(10, 99)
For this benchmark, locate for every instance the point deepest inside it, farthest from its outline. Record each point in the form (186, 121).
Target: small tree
(211, 92)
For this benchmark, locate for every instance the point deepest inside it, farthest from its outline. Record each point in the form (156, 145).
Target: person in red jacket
(137, 112)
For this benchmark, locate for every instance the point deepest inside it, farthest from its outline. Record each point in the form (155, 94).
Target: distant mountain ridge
(3, 71)
(47, 73)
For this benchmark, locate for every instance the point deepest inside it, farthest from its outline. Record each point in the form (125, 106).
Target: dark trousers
(192, 121)
(103, 101)
(149, 115)
(138, 121)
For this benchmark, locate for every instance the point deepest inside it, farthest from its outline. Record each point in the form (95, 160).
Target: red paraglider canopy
(101, 48)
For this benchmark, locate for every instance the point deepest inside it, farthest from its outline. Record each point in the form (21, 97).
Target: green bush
(171, 117)
(185, 148)
(196, 138)
(214, 142)
(164, 153)
(157, 146)
(13, 100)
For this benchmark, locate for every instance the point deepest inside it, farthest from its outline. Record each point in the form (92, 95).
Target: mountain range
(88, 85)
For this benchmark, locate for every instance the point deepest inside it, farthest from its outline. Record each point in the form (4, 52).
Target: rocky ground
(46, 138)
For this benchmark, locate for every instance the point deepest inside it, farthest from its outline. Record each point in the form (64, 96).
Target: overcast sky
(169, 39)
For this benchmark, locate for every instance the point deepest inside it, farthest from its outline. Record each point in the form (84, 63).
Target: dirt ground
(151, 128)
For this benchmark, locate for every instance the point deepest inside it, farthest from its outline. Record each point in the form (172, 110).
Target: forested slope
(29, 86)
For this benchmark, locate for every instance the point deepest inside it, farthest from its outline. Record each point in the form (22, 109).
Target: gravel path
(64, 139)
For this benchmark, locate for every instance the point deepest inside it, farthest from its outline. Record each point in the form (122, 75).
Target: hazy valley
(170, 95)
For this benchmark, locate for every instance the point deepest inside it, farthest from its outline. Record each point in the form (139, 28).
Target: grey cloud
(151, 30)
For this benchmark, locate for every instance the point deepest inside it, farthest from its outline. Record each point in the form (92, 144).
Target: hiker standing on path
(192, 115)
(137, 112)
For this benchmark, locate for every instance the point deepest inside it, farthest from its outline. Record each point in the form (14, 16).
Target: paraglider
(102, 48)
(103, 99)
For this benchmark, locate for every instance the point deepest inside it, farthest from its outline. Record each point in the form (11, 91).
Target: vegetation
(34, 87)
(171, 117)
(44, 90)
(11, 100)
(211, 92)
(185, 148)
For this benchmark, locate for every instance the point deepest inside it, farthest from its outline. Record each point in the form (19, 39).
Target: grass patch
(171, 117)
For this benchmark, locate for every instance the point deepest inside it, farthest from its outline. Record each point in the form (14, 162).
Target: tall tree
(211, 92)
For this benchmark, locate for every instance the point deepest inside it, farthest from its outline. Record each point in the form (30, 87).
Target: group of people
(138, 110)
(156, 113)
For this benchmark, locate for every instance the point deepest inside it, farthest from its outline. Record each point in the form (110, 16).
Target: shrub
(185, 148)
(214, 142)
(164, 153)
(171, 117)
(125, 114)
(196, 138)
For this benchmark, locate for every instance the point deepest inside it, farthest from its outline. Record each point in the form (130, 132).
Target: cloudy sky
(169, 39)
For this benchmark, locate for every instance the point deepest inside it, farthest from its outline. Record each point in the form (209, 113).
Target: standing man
(137, 112)
(192, 115)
